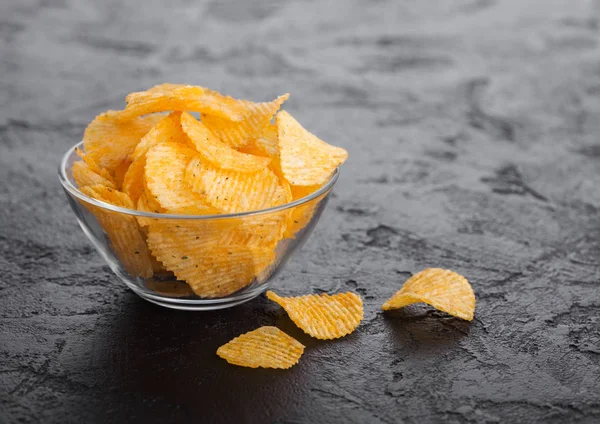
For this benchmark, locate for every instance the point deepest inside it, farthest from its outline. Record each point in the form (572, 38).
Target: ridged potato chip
(265, 144)
(443, 289)
(238, 134)
(147, 203)
(85, 176)
(120, 171)
(166, 165)
(265, 347)
(301, 215)
(232, 191)
(217, 152)
(122, 230)
(109, 142)
(323, 316)
(183, 98)
(305, 159)
(91, 163)
(210, 268)
(133, 181)
(167, 129)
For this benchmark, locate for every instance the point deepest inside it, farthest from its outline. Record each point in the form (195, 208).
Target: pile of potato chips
(240, 156)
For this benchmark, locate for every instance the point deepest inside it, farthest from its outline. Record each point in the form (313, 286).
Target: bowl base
(199, 304)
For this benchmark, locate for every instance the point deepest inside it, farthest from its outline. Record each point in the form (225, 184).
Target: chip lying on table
(239, 156)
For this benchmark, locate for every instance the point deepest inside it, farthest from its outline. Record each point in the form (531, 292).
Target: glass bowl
(228, 259)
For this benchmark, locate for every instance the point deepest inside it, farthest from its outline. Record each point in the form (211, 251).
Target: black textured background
(473, 132)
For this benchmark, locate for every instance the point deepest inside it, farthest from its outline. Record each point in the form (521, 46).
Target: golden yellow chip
(323, 316)
(165, 177)
(183, 98)
(122, 230)
(443, 289)
(211, 269)
(238, 134)
(305, 159)
(301, 215)
(133, 181)
(91, 163)
(167, 129)
(217, 152)
(85, 176)
(109, 142)
(265, 145)
(120, 171)
(232, 191)
(265, 347)
(147, 203)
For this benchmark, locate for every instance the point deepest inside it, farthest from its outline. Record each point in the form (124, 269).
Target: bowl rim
(73, 190)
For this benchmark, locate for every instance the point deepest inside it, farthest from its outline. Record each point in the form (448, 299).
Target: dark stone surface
(473, 134)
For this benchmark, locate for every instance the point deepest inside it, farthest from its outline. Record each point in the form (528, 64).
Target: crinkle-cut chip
(164, 88)
(305, 159)
(84, 176)
(147, 203)
(298, 192)
(265, 145)
(301, 215)
(91, 163)
(232, 191)
(125, 237)
(109, 142)
(443, 289)
(323, 316)
(158, 268)
(213, 256)
(120, 171)
(265, 347)
(184, 98)
(217, 152)
(238, 134)
(133, 182)
(211, 270)
(263, 229)
(167, 129)
(170, 288)
(165, 177)
(299, 218)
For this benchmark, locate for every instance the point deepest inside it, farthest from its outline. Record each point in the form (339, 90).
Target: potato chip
(211, 269)
(232, 191)
(305, 159)
(91, 163)
(85, 176)
(165, 177)
(301, 215)
(147, 203)
(265, 145)
(183, 98)
(217, 152)
(120, 171)
(133, 181)
(238, 134)
(122, 230)
(167, 129)
(323, 316)
(109, 142)
(265, 347)
(443, 289)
